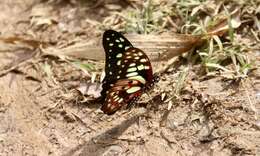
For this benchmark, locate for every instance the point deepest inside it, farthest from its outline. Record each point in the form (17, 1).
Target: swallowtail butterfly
(128, 72)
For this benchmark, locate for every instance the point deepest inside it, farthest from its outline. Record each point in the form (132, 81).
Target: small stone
(113, 150)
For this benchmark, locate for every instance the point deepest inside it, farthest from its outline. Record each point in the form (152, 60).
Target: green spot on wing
(133, 89)
(138, 78)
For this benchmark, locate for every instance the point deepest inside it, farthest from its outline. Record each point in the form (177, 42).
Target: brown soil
(43, 114)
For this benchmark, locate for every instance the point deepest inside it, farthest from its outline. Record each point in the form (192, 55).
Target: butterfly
(128, 73)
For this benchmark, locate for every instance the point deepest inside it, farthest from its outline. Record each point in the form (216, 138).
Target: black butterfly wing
(133, 75)
(115, 45)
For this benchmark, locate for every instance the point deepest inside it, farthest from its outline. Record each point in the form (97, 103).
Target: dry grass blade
(19, 44)
(5, 71)
(157, 47)
(26, 42)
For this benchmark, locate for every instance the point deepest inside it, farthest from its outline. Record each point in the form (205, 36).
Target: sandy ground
(44, 115)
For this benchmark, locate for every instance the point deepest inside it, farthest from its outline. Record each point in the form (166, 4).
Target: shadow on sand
(97, 145)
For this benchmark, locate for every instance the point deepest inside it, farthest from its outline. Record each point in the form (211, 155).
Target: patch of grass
(215, 52)
(226, 54)
(151, 17)
(214, 57)
(144, 20)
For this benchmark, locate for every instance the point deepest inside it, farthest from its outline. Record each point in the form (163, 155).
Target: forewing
(115, 45)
